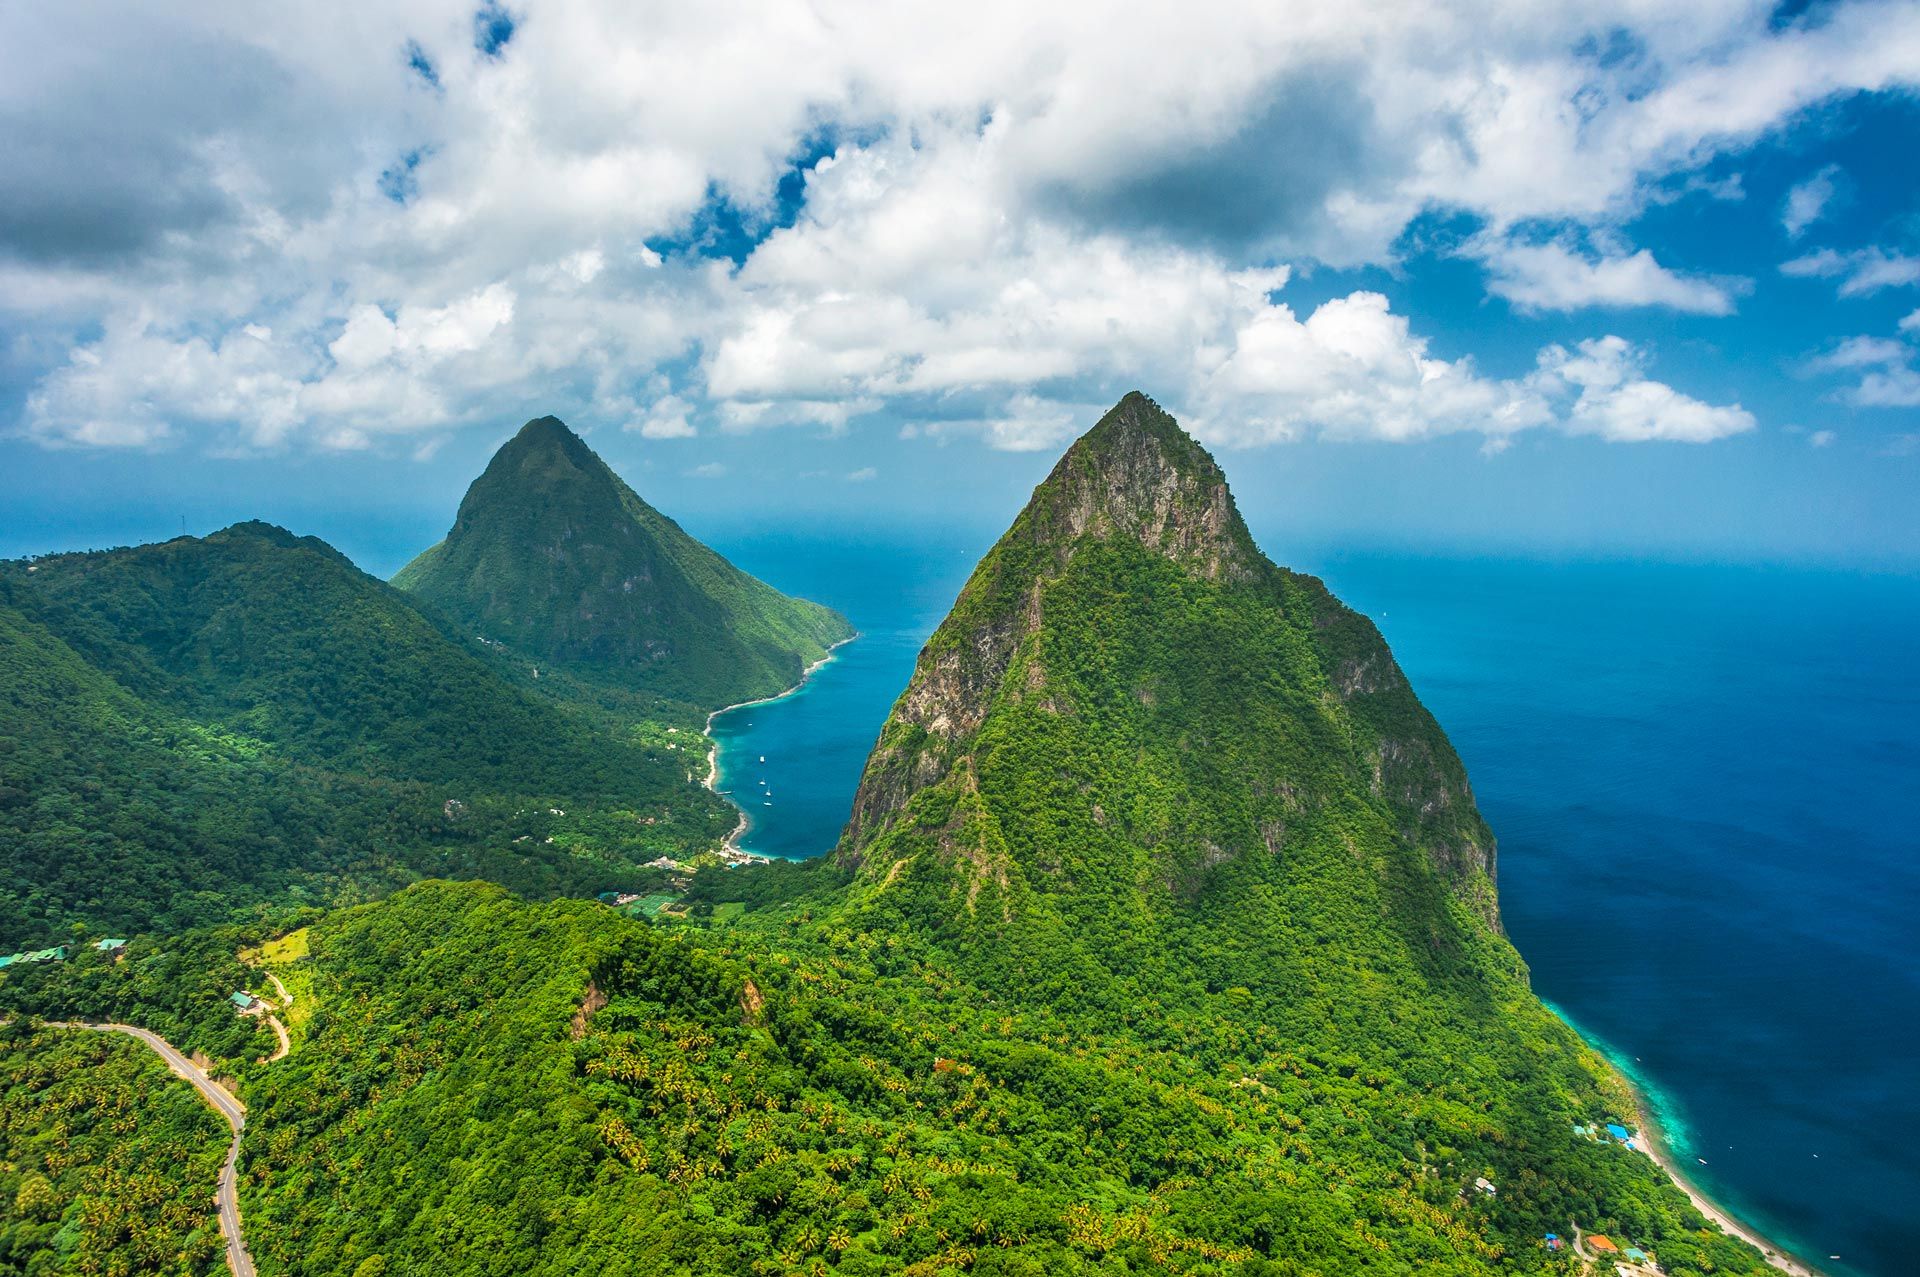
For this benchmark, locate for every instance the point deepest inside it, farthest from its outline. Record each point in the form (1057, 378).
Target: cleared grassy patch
(288, 948)
(283, 958)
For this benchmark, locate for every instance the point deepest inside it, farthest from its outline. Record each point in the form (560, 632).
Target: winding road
(285, 1043)
(238, 1260)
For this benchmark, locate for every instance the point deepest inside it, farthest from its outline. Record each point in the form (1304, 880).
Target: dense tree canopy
(556, 559)
(107, 1161)
(1162, 940)
(491, 1086)
(249, 721)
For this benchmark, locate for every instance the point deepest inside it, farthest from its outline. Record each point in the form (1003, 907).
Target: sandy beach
(1647, 1139)
(713, 750)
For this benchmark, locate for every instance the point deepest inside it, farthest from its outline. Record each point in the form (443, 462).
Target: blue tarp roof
(1619, 1132)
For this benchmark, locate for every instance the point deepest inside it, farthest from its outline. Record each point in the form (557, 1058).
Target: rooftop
(54, 954)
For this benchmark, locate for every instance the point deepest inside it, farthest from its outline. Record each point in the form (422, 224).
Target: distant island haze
(806, 641)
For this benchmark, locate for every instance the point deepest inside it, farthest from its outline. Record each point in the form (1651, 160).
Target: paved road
(230, 1108)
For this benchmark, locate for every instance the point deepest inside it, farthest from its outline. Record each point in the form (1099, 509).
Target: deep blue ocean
(1706, 785)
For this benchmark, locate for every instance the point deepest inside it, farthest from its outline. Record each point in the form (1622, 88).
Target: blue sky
(1486, 276)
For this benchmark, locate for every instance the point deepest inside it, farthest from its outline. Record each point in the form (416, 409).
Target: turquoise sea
(1704, 780)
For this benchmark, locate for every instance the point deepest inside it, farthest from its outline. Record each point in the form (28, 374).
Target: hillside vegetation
(107, 1161)
(247, 719)
(1163, 939)
(554, 557)
(491, 1086)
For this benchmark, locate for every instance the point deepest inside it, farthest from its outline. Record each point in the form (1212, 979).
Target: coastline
(732, 841)
(1653, 1142)
(1650, 1139)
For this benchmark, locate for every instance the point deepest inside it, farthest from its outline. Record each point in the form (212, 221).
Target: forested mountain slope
(249, 718)
(490, 1086)
(1139, 759)
(1128, 695)
(1162, 940)
(553, 555)
(107, 1161)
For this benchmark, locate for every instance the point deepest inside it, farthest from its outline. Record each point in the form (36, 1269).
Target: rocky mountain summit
(1127, 675)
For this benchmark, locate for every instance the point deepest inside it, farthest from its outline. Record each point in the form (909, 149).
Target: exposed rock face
(1138, 476)
(1128, 618)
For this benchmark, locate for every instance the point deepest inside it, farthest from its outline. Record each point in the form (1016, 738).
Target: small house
(243, 1000)
(1637, 1255)
(110, 946)
(1485, 1185)
(1602, 1244)
(55, 954)
(1553, 1241)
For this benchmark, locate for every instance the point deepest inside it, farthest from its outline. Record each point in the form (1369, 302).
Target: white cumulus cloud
(668, 418)
(1554, 276)
(1888, 370)
(1020, 205)
(1614, 400)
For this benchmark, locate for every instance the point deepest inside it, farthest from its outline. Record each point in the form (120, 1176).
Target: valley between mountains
(1163, 935)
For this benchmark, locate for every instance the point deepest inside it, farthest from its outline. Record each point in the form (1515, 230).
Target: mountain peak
(1137, 474)
(546, 437)
(552, 554)
(548, 429)
(1130, 702)
(252, 532)
(1136, 422)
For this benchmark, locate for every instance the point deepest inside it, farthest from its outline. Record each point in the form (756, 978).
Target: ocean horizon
(1698, 775)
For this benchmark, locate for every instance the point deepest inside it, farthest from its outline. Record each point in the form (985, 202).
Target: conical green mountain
(1132, 715)
(1162, 941)
(556, 557)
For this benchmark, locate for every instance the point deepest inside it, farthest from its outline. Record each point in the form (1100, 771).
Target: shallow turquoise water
(1704, 782)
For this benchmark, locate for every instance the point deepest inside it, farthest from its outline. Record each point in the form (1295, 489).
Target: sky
(1618, 279)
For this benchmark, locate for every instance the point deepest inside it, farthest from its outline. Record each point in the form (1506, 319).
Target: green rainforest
(1163, 937)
